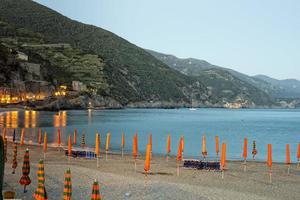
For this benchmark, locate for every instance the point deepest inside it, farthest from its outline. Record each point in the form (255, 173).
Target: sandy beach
(118, 180)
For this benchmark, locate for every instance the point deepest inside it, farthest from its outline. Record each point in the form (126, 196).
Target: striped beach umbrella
(148, 158)
(40, 136)
(14, 136)
(82, 140)
(15, 162)
(75, 136)
(58, 137)
(68, 186)
(40, 193)
(96, 191)
(204, 150)
(217, 146)
(254, 151)
(25, 180)
(22, 136)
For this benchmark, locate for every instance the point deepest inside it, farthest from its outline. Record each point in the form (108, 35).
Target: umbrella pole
(245, 165)
(135, 165)
(105, 155)
(298, 163)
(217, 157)
(167, 159)
(44, 156)
(289, 167)
(25, 189)
(178, 172)
(97, 161)
(223, 173)
(270, 175)
(13, 172)
(122, 152)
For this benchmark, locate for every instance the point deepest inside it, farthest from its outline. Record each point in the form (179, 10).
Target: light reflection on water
(278, 127)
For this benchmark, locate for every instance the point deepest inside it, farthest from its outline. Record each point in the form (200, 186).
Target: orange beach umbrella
(298, 154)
(269, 158)
(179, 152)
(204, 151)
(22, 136)
(182, 143)
(169, 144)
(45, 142)
(288, 154)
(223, 156)
(123, 141)
(135, 147)
(97, 145)
(75, 136)
(69, 146)
(217, 145)
(148, 158)
(245, 149)
(150, 141)
(40, 136)
(58, 137)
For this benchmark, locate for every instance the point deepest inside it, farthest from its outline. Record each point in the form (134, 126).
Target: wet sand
(118, 177)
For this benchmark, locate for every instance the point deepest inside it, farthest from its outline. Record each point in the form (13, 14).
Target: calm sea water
(278, 127)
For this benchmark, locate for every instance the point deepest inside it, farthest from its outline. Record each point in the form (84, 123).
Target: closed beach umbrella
(107, 142)
(40, 136)
(245, 149)
(58, 137)
(75, 136)
(298, 154)
(223, 159)
(148, 158)
(14, 136)
(25, 180)
(15, 162)
(169, 144)
(179, 152)
(288, 157)
(123, 141)
(97, 145)
(82, 140)
(22, 136)
(45, 142)
(96, 191)
(269, 158)
(40, 193)
(150, 141)
(217, 146)
(204, 150)
(68, 186)
(69, 146)
(182, 143)
(254, 151)
(134, 147)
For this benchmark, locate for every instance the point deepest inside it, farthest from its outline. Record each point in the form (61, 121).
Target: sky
(250, 36)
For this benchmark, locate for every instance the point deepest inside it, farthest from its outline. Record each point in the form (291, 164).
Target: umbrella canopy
(97, 145)
(169, 144)
(68, 185)
(15, 162)
(179, 152)
(204, 150)
(148, 158)
(58, 137)
(217, 145)
(40, 136)
(134, 147)
(82, 140)
(254, 151)
(75, 136)
(245, 149)
(123, 141)
(223, 156)
(107, 141)
(40, 193)
(25, 180)
(45, 142)
(269, 159)
(298, 154)
(96, 191)
(288, 155)
(22, 136)
(14, 136)
(69, 146)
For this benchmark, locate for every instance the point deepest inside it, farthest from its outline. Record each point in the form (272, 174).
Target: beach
(118, 179)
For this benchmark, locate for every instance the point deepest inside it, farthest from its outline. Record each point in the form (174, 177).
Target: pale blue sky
(251, 36)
